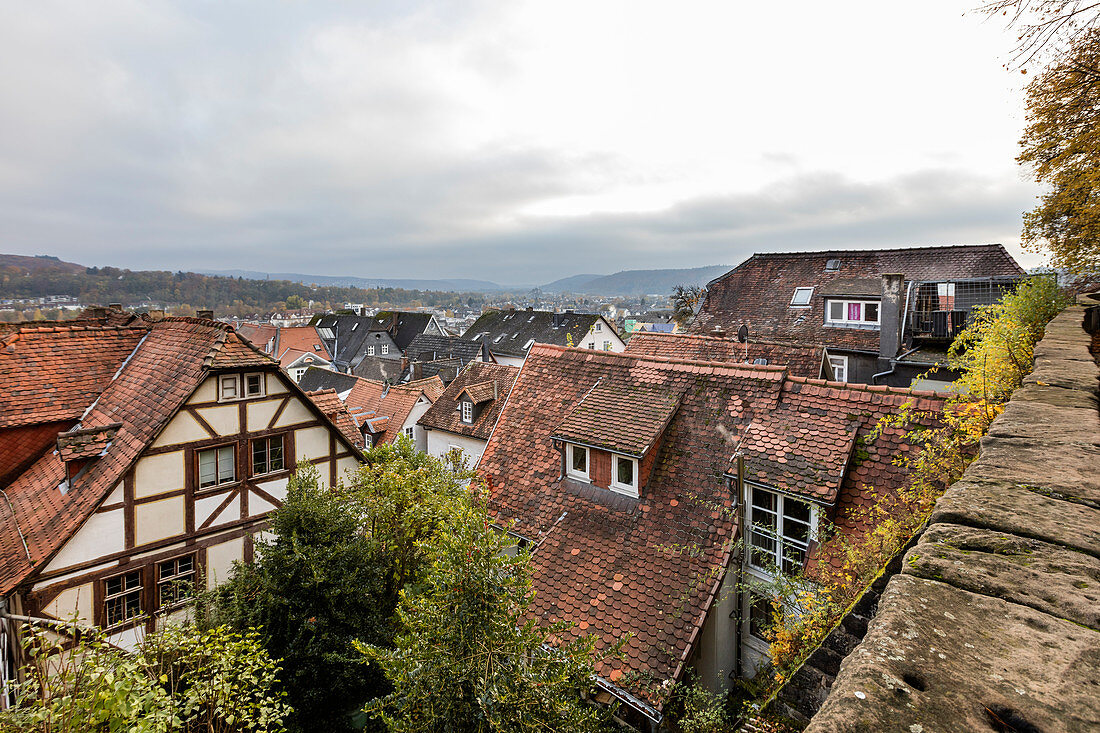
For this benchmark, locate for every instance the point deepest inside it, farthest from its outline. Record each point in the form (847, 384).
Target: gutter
(893, 365)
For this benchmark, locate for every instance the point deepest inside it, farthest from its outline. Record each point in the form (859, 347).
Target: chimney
(156, 314)
(207, 314)
(115, 306)
(889, 319)
(718, 332)
(98, 311)
(485, 350)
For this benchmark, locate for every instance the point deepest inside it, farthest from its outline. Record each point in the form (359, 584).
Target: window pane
(796, 531)
(625, 471)
(763, 550)
(275, 451)
(226, 471)
(759, 615)
(114, 586)
(229, 386)
(836, 311)
(763, 499)
(797, 509)
(255, 384)
(870, 312)
(259, 456)
(854, 310)
(580, 459)
(207, 468)
(793, 559)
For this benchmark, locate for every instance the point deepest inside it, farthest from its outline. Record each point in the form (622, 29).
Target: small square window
(254, 385)
(267, 455)
(385, 348)
(802, 296)
(370, 351)
(870, 312)
(409, 433)
(836, 310)
(599, 326)
(228, 387)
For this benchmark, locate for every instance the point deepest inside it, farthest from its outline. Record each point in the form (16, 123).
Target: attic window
(528, 344)
(760, 362)
(326, 333)
(530, 319)
(467, 411)
(576, 462)
(802, 296)
(498, 338)
(317, 347)
(624, 480)
(253, 385)
(228, 387)
(354, 325)
(832, 265)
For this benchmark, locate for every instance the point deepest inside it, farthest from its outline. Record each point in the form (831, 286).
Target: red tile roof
(260, 334)
(798, 453)
(53, 373)
(433, 386)
(329, 403)
(758, 292)
(302, 338)
(86, 442)
(803, 360)
(444, 413)
(370, 400)
(620, 415)
(651, 566)
(480, 392)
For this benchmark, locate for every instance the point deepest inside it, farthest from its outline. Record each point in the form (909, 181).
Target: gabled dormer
(475, 399)
(78, 448)
(612, 437)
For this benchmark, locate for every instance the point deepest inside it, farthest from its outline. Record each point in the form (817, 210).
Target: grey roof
(512, 332)
(429, 347)
(349, 332)
(315, 379)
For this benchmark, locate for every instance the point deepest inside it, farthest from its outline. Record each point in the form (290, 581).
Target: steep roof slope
(329, 403)
(302, 338)
(802, 360)
(510, 332)
(652, 565)
(758, 292)
(431, 347)
(444, 414)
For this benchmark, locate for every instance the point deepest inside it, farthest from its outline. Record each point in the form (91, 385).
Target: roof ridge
(729, 339)
(918, 248)
(854, 386)
(726, 365)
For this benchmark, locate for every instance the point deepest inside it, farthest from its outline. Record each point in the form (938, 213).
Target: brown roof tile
(803, 360)
(329, 403)
(444, 413)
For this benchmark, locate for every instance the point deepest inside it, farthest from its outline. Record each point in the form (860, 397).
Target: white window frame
(229, 380)
(598, 326)
(572, 472)
(409, 433)
(467, 409)
(370, 350)
(842, 361)
(262, 385)
(795, 299)
(385, 348)
(757, 523)
(297, 373)
(630, 489)
(844, 303)
(218, 481)
(607, 346)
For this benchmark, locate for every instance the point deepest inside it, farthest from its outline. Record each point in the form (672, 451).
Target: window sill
(625, 490)
(855, 326)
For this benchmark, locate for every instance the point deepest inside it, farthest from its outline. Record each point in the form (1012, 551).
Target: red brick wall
(601, 467)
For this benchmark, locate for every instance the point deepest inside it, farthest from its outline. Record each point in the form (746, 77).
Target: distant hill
(39, 263)
(458, 285)
(636, 282)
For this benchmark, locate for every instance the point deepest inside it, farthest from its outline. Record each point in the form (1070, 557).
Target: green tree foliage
(1061, 145)
(181, 679)
(685, 299)
(469, 659)
(331, 571)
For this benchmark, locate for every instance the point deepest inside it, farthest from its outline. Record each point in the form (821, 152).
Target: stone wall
(993, 623)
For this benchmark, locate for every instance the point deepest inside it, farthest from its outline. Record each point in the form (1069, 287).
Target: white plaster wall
(159, 474)
(716, 654)
(259, 414)
(225, 419)
(516, 361)
(206, 392)
(275, 384)
(158, 520)
(346, 468)
(276, 488)
(73, 603)
(220, 558)
(182, 429)
(205, 506)
(440, 441)
(102, 534)
(415, 414)
(295, 413)
(311, 443)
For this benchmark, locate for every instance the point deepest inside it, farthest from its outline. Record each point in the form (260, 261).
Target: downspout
(893, 365)
(741, 537)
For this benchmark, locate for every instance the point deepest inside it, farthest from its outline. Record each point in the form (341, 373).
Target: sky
(517, 141)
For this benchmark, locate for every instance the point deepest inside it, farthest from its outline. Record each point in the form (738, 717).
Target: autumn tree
(685, 299)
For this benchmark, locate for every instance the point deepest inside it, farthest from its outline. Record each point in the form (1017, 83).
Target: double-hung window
(122, 598)
(217, 466)
(267, 455)
(175, 580)
(780, 531)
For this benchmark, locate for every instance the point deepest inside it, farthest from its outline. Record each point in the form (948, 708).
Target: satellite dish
(743, 333)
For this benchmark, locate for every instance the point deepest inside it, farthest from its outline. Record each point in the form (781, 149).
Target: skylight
(802, 296)
(326, 333)
(832, 265)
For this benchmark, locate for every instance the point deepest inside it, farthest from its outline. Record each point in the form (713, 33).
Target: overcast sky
(507, 140)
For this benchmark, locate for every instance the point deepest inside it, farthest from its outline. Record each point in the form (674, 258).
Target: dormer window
(832, 265)
(576, 462)
(802, 296)
(467, 412)
(254, 385)
(599, 326)
(385, 348)
(624, 480)
(370, 351)
(528, 344)
(228, 387)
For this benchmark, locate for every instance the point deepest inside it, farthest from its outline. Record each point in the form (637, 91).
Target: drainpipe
(893, 366)
(740, 508)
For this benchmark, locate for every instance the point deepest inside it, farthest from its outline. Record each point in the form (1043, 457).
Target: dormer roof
(478, 393)
(85, 442)
(620, 417)
(444, 414)
(801, 360)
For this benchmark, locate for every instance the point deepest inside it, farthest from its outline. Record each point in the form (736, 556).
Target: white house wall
(441, 441)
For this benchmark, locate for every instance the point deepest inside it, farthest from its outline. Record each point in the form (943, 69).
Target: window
(326, 333)
(409, 433)
(598, 326)
(385, 348)
(370, 351)
(591, 344)
(528, 345)
(760, 615)
(254, 385)
(467, 411)
(577, 462)
(852, 311)
(175, 580)
(625, 478)
(607, 346)
(217, 466)
(368, 441)
(840, 367)
(122, 598)
(228, 387)
(297, 373)
(267, 455)
(802, 296)
(780, 532)
(832, 265)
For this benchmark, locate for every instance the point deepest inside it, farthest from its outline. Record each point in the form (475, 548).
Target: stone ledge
(938, 658)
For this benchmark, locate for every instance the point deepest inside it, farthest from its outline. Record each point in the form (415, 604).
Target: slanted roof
(802, 360)
(478, 393)
(302, 338)
(350, 331)
(316, 378)
(432, 347)
(262, 335)
(432, 386)
(652, 566)
(758, 292)
(798, 452)
(509, 332)
(86, 442)
(620, 416)
(444, 413)
(373, 403)
(329, 403)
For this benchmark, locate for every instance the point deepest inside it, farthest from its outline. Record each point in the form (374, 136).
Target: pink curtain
(853, 311)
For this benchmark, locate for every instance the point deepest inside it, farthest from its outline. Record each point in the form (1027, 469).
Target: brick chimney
(889, 319)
